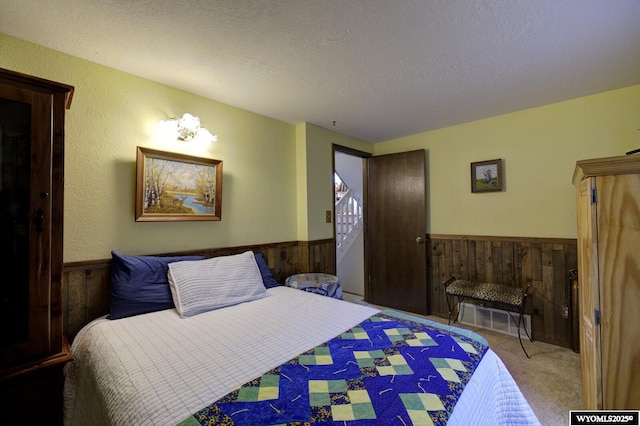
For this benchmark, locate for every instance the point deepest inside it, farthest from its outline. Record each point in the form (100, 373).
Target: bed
(283, 357)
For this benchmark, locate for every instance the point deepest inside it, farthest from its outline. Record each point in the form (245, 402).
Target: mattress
(158, 368)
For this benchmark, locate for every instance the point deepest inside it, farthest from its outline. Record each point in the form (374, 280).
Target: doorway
(391, 269)
(350, 197)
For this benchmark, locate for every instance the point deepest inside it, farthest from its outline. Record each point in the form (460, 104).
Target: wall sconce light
(187, 128)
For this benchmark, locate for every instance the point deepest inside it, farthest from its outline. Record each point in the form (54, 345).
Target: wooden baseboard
(543, 263)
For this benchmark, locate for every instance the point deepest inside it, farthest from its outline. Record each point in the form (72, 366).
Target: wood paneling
(86, 284)
(543, 263)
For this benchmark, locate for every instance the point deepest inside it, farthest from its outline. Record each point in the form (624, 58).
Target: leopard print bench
(504, 297)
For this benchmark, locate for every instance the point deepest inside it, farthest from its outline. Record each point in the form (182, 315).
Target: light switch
(328, 218)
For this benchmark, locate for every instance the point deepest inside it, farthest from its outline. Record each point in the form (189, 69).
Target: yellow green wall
(277, 176)
(540, 147)
(112, 113)
(301, 178)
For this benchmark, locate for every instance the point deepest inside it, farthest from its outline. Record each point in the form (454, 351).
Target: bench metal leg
(518, 323)
(448, 298)
(455, 310)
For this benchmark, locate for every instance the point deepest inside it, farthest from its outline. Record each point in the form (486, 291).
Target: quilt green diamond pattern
(391, 369)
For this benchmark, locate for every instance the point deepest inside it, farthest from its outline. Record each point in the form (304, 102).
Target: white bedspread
(158, 368)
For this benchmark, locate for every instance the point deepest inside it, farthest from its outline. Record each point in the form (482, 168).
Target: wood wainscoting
(86, 284)
(543, 263)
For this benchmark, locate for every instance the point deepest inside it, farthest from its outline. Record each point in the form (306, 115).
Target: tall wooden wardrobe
(33, 349)
(608, 194)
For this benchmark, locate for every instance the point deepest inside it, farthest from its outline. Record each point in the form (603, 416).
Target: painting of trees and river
(178, 187)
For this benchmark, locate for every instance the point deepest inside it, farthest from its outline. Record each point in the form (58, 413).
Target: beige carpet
(549, 380)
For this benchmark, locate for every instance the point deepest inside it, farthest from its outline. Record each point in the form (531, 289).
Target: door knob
(419, 240)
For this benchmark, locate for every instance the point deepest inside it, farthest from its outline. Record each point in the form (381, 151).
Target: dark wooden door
(396, 227)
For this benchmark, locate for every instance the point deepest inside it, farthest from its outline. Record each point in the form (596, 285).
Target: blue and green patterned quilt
(392, 368)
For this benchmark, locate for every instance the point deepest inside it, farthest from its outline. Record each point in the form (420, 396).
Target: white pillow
(203, 285)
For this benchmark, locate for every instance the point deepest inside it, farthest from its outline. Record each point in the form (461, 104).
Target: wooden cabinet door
(26, 188)
(608, 247)
(32, 113)
(619, 278)
(588, 296)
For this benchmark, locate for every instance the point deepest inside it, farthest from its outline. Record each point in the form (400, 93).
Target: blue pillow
(267, 277)
(139, 284)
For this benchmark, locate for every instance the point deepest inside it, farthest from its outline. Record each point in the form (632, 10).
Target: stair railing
(348, 216)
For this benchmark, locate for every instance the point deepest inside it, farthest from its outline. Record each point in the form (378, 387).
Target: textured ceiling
(380, 69)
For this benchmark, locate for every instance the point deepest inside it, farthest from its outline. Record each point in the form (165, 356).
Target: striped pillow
(204, 285)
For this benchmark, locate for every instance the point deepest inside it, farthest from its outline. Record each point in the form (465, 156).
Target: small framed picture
(486, 176)
(177, 187)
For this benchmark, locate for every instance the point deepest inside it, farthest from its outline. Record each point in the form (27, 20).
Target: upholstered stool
(315, 282)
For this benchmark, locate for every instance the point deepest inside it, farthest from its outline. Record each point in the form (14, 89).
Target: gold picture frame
(177, 187)
(486, 176)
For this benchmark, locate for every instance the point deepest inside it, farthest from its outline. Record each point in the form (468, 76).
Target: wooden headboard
(85, 294)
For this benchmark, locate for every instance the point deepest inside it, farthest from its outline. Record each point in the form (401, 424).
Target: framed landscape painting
(177, 187)
(486, 176)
